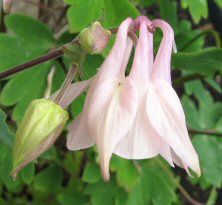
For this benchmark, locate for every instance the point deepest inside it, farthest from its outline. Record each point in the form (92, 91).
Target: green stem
(205, 132)
(41, 59)
(212, 197)
(70, 76)
(204, 33)
(180, 81)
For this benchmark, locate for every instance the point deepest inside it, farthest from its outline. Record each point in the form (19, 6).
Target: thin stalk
(41, 59)
(131, 34)
(187, 196)
(205, 132)
(180, 81)
(70, 76)
(205, 33)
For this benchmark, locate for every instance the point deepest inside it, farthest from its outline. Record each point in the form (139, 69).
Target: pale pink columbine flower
(160, 126)
(7, 5)
(139, 116)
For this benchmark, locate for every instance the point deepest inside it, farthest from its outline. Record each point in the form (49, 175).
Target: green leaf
(27, 174)
(2, 202)
(10, 45)
(191, 113)
(196, 88)
(214, 84)
(219, 2)
(91, 66)
(211, 163)
(185, 37)
(140, 194)
(29, 28)
(197, 8)
(49, 180)
(127, 174)
(204, 62)
(79, 19)
(6, 168)
(123, 9)
(24, 84)
(25, 87)
(115, 11)
(121, 197)
(31, 38)
(102, 192)
(147, 3)
(72, 197)
(58, 78)
(155, 186)
(73, 168)
(168, 12)
(208, 111)
(213, 197)
(91, 173)
(77, 105)
(219, 125)
(6, 136)
(50, 154)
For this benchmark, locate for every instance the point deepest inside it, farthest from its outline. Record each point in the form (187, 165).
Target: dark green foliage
(61, 177)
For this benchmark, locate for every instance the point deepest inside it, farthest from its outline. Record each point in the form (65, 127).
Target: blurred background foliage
(60, 177)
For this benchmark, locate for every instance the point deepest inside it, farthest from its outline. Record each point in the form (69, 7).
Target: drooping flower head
(137, 116)
(159, 126)
(140, 142)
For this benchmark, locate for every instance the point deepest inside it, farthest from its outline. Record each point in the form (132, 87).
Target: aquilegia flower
(138, 116)
(160, 126)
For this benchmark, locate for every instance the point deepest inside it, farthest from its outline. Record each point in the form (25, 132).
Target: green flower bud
(94, 38)
(44, 120)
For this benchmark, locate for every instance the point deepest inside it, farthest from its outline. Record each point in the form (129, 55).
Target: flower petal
(113, 64)
(141, 63)
(176, 159)
(141, 141)
(161, 67)
(169, 94)
(128, 50)
(165, 152)
(79, 136)
(169, 123)
(110, 116)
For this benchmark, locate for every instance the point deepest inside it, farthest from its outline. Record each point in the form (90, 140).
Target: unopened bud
(7, 5)
(94, 38)
(44, 120)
